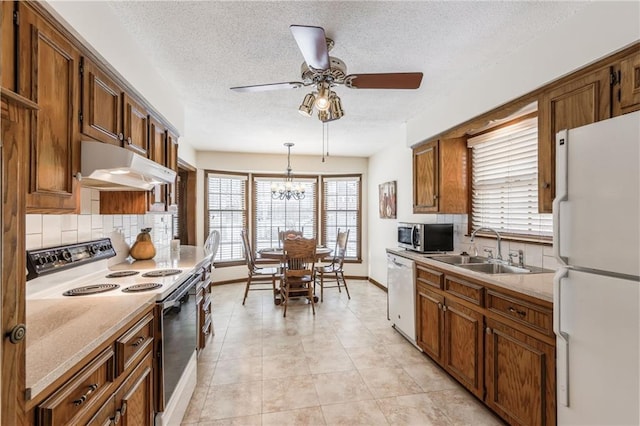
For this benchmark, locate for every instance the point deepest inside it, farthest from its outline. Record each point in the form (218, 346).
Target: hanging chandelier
(287, 189)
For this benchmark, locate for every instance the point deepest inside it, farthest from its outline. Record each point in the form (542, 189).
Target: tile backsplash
(46, 230)
(534, 254)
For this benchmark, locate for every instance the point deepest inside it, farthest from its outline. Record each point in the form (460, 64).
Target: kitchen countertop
(63, 330)
(189, 257)
(538, 285)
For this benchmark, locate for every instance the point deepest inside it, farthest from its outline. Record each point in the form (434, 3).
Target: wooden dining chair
(258, 276)
(333, 272)
(298, 261)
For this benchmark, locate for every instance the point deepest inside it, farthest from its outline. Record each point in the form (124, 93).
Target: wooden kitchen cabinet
(113, 387)
(101, 117)
(430, 322)
(14, 130)
(172, 163)
(135, 126)
(628, 78)
(134, 399)
(520, 376)
(49, 67)
(451, 333)
(440, 177)
(463, 340)
(498, 344)
(582, 101)
(8, 57)
(158, 153)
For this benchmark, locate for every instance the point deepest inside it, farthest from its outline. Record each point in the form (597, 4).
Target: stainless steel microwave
(426, 237)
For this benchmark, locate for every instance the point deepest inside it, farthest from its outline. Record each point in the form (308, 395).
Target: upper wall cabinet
(172, 163)
(49, 64)
(101, 117)
(157, 153)
(440, 177)
(135, 125)
(609, 88)
(628, 77)
(7, 35)
(574, 104)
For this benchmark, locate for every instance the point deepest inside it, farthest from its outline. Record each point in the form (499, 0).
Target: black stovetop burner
(90, 289)
(120, 274)
(162, 273)
(141, 287)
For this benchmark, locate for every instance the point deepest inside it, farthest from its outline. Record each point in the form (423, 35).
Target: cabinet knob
(17, 333)
(444, 308)
(546, 185)
(439, 305)
(129, 140)
(120, 136)
(488, 330)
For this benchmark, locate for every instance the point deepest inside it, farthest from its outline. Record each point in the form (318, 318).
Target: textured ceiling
(204, 48)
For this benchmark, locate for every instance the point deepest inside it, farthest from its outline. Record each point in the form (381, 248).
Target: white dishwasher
(401, 294)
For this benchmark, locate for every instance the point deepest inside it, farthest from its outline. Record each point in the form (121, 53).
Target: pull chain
(323, 142)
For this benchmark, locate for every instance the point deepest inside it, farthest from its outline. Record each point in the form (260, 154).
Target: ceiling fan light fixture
(336, 108)
(322, 100)
(306, 108)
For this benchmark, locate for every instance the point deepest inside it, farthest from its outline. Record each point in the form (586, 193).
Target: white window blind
(227, 212)
(341, 210)
(271, 216)
(505, 181)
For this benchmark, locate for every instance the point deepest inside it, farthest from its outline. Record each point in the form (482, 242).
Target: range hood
(108, 167)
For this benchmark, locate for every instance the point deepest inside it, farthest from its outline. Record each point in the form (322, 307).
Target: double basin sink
(485, 265)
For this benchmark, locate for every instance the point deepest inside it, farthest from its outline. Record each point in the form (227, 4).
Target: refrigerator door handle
(561, 191)
(562, 342)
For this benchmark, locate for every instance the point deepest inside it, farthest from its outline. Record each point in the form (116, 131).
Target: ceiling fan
(324, 72)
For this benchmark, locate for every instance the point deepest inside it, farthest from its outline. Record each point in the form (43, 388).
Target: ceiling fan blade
(398, 80)
(313, 45)
(267, 87)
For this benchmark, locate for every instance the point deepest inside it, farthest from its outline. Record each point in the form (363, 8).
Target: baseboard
(377, 284)
(234, 281)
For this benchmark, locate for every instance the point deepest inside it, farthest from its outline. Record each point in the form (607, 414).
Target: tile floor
(343, 366)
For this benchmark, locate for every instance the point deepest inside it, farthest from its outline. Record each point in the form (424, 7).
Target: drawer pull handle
(84, 397)
(123, 409)
(138, 341)
(116, 419)
(515, 311)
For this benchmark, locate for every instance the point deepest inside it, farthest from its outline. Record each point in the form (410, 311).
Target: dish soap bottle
(143, 248)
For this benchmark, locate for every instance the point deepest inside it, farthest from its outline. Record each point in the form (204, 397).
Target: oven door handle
(175, 300)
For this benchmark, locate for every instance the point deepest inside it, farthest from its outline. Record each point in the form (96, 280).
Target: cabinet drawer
(429, 276)
(133, 342)
(67, 404)
(464, 289)
(533, 316)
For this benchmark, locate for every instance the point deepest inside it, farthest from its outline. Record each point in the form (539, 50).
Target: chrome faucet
(473, 234)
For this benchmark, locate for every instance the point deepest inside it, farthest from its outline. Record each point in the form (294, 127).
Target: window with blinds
(341, 200)
(505, 181)
(271, 216)
(227, 212)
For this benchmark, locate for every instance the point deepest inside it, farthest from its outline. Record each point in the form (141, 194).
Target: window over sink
(504, 181)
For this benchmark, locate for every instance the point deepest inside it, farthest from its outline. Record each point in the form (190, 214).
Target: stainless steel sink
(495, 268)
(482, 264)
(458, 259)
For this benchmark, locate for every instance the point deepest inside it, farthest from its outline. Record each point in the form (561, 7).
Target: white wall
(266, 163)
(595, 31)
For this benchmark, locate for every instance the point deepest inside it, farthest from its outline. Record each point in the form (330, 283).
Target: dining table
(276, 253)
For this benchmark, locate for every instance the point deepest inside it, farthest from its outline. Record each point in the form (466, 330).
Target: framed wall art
(387, 201)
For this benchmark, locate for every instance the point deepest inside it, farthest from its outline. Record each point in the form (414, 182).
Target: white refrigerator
(596, 218)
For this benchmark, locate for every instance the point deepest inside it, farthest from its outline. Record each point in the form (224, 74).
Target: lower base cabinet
(501, 352)
(463, 337)
(520, 376)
